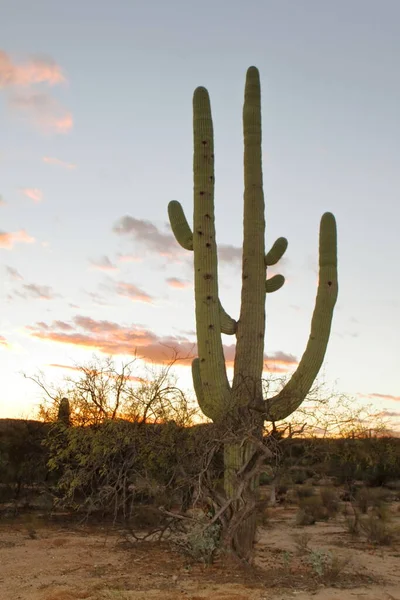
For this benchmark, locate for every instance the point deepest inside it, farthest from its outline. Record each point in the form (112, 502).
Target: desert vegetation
(147, 484)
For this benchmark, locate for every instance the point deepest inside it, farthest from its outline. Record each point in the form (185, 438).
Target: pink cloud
(3, 342)
(33, 193)
(131, 291)
(177, 283)
(7, 240)
(44, 111)
(56, 161)
(33, 71)
(383, 396)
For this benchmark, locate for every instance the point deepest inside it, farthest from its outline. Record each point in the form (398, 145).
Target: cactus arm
(277, 251)
(213, 377)
(274, 283)
(209, 409)
(179, 225)
(228, 325)
(292, 395)
(249, 357)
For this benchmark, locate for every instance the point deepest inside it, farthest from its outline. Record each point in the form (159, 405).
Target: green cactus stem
(64, 412)
(220, 401)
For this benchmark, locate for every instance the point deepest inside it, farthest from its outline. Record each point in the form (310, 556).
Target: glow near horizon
(101, 128)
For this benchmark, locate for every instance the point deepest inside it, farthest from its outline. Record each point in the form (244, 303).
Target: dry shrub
(370, 497)
(311, 510)
(330, 500)
(353, 524)
(377, 530)
(305, 491)
(301, 541)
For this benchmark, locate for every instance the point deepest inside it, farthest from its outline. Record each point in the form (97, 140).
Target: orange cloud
(44, 112)
(33, 71)
(33, 193)
(103, 264)
(110, 338)
(7, 240)
(179, 284)
(56, 161)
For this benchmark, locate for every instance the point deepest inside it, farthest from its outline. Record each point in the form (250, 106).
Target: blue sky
(96, 122)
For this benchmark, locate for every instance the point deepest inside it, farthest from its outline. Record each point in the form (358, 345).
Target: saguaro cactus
(64, 412)
(219, 400)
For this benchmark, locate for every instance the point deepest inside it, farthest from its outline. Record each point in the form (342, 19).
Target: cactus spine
(217, 398)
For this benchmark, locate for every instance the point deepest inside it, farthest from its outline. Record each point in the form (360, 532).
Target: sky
(96, 139)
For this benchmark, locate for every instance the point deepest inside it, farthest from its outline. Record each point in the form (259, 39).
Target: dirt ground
(56, 561)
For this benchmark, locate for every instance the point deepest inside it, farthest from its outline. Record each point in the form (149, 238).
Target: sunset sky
(96, 139)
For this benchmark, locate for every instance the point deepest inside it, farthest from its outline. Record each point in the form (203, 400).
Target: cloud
(277, 362)
(131, 291)
(63, 325)
(164, 244)
(13, 273)
(177, 283)
(103, 264)
(20, 81)
(229, 254)
(44, 111)
(33, 193)
(389, 413)
(111, 338)
(280, 362)
(56, 161)
(383, 396)
(87, 370)
(147, 234)
(33, 71)
(7, 240)
(129, 258)
(96, 298)
(42, 292)
(3, 342)
(2, 201)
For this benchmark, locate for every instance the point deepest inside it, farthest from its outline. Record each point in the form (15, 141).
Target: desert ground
(54, 559)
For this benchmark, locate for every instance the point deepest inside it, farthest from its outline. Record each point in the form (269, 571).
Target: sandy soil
(64, 562)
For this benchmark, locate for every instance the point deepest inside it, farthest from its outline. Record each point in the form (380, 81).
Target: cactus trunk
(240, 407)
